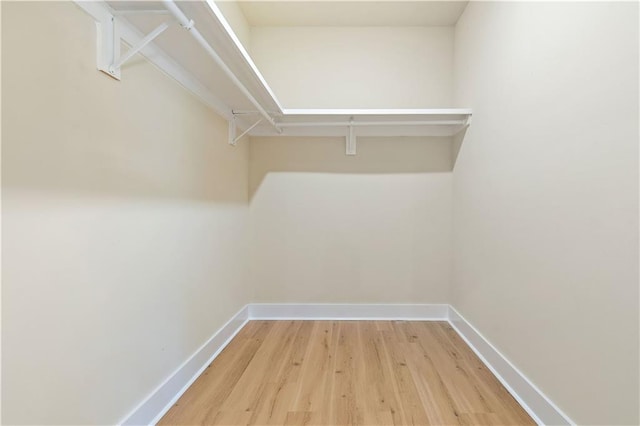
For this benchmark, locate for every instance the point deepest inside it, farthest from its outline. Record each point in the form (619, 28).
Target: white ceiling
(352, 13)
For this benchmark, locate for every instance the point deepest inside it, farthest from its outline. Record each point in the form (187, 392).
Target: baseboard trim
(151, 410)
(536, 403)
(346, 311)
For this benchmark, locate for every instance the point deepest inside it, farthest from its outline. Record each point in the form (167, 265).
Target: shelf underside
(178, 45)
(364, 122)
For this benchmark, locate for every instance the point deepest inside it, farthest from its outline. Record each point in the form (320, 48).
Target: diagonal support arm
(234, 139)
(117, 64)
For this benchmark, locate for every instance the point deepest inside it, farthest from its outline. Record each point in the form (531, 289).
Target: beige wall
(374, 228)
(125, 222)
(234, 16)
(129, 239)
(546, 197)
(356, 67)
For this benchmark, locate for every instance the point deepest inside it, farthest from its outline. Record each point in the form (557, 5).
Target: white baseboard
(539, 407)
(363, 312)
(151, 410)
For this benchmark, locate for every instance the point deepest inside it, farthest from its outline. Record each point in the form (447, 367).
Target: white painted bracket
(108, 45)
(351, 139)
(109, 59)
(233, 139)
(232, 131)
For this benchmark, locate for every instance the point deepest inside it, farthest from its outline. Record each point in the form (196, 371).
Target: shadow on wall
(375, 155)
(456, 145)
(124, 223)
(143, 164)
(68, 128)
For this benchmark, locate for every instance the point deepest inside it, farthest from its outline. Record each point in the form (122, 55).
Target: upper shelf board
(181, 47)
(365, 122)
(228, 93)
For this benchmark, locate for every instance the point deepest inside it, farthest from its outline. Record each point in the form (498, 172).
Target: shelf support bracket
(232, 131)
(109, 59)
(233, 141)
(351, 139)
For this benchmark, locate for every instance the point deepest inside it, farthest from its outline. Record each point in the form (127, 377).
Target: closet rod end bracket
(107, 46)
(232, 131)
(351, 139)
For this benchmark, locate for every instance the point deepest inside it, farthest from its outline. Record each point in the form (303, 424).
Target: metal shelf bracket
(109, 58)
(233, 139)
(351, 139)
(232, 131)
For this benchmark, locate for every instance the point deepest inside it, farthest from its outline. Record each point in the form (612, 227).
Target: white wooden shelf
(193, 42)
(370, 122)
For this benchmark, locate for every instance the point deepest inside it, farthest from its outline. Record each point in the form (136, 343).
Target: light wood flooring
(346, 373)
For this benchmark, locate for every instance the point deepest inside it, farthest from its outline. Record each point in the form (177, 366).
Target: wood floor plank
(434, 395)
(376, 379)
(270, 385)
(316, 375)
(452, 371)
(346, 373)
(344, 395)
(497, 400)
(212, 388)
(247, 391)
(412, 410)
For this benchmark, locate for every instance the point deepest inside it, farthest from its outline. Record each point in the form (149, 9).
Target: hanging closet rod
(140, 12)
(189, 26)
(375, 123)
